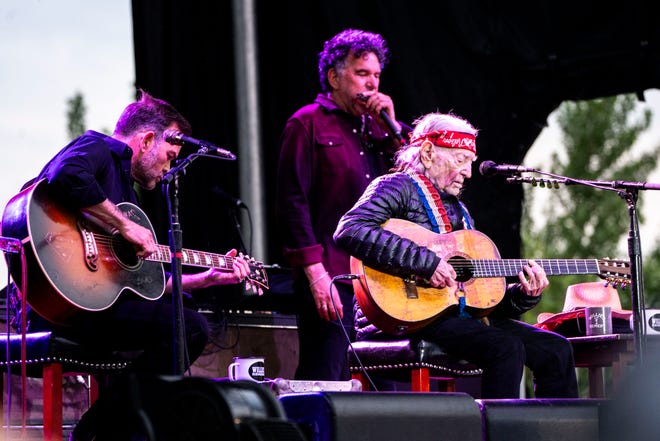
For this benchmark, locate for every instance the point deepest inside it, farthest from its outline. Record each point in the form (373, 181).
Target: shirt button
(354, 130)
(367, 176)
(361, 153)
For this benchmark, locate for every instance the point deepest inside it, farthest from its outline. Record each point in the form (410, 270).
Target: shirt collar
(327, 102)
(118, 148)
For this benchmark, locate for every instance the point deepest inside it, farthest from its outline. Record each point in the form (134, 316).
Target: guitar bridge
(90, 248)
(410, 284)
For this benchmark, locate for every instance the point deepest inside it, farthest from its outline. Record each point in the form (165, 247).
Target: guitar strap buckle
(460, 293)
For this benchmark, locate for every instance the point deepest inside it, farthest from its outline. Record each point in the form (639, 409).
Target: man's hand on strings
(443, 276)
(533, 279)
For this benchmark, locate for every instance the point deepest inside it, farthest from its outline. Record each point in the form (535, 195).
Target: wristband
(315, 281)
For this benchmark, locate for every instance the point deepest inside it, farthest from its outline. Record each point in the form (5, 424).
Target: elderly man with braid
(424, 188)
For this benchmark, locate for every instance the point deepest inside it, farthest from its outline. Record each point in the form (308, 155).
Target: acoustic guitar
(400, 305)
(74, 264)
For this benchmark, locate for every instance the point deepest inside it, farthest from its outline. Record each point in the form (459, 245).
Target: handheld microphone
(396, 132)
(489, 168)
(177, 138)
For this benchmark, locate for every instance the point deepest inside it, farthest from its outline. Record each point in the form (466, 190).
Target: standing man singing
(330, 151)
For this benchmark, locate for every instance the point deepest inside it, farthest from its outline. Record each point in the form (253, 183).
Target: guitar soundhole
(124, 253)
(462, 267)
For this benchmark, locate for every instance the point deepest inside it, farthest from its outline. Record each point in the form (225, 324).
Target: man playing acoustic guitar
(92, 175)
(423, 191)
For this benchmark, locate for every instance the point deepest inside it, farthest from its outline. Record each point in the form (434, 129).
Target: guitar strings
(124, 246)
(256, 278)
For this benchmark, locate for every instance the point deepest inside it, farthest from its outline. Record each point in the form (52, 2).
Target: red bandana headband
(449, 139)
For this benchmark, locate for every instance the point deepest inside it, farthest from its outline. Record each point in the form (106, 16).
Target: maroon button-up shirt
(327, 159)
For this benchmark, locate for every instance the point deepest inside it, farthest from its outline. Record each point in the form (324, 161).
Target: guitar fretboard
(195, 258)
(511, 267)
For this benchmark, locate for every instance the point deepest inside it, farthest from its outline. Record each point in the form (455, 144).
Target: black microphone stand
(629, 192)
(239, 231)
(176, 252)
(176, 248)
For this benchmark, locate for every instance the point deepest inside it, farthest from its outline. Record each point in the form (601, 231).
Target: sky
(49, 50)
(52, 49)
(649, 200)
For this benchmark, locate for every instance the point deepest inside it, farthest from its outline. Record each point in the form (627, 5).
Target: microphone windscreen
(487, 168)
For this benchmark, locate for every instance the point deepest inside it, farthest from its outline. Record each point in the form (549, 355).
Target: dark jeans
(135, 325)
(502, 349)
(323, 345)
(129, 325)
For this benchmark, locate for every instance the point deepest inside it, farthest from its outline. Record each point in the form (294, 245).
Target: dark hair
(336, 50)
(152, 114)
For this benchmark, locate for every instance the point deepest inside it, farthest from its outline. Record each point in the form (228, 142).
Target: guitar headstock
(615, 272)
(257, 276)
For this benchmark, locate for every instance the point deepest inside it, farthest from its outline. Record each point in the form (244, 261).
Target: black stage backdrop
(505, 66)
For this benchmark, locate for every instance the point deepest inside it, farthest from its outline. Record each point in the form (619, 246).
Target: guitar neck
(511, 267)
(200, 259)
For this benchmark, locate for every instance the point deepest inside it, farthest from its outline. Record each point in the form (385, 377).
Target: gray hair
(407, 158)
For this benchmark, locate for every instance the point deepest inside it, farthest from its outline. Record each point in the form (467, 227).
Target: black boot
(87, 427)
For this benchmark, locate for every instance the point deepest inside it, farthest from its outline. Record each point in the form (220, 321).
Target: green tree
(583, 222)
(76, 115)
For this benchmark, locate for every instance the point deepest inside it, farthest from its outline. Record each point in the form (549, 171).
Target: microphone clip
(205, 148)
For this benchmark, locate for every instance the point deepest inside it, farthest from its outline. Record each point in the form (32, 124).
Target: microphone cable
(343, 328)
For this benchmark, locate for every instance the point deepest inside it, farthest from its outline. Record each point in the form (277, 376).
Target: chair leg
(93, 389)
(449, 384)
(359, 376)
(419, 380)
(2, 402)
(52, 396)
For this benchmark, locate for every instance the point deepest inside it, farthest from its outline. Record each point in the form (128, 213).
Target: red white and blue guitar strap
(437, 213)
(435, 208)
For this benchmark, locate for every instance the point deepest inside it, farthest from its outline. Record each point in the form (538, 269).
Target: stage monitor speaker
(384, 416)
(193, 408)
(541, 419)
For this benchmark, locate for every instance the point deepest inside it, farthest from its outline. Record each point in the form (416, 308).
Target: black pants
(129, 325)
(502, 350)
(323, 345)
(135, 325)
